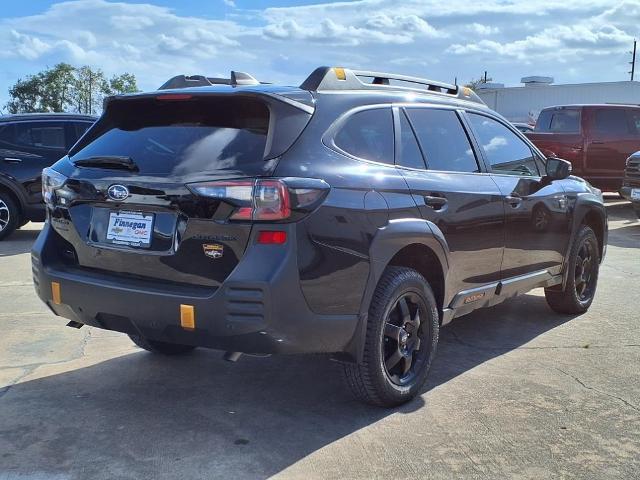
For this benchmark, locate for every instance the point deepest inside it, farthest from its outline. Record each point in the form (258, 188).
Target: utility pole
(633, 60)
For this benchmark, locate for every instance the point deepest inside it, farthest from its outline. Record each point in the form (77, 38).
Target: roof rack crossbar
(380, 78)
(337, 78)
(186, 81)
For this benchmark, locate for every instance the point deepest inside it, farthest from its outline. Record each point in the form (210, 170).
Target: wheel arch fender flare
(588, 209)
(386, 243)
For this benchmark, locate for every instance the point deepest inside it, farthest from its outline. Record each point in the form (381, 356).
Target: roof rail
(185, 81)
(337, 78)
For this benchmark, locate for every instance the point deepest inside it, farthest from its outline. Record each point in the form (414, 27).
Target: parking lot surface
(516, 392)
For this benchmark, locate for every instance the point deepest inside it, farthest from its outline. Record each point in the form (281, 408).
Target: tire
(9, 215)
(381, 378)
(584, 266)
(160, 347)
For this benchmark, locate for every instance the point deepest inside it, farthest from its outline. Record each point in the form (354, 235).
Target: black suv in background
(29, 143)
(353, 215)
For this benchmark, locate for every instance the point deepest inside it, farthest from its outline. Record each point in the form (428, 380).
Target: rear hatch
(129, 206)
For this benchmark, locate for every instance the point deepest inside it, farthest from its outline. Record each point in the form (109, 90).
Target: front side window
(40, 134)
(505, 151)
(611, 121)
(368, 134)
(443, 140)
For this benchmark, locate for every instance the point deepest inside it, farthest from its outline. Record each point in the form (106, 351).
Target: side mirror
(557, 169)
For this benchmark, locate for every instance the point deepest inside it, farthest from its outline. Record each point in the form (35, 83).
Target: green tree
(121, 84)
(91, 87)
(57, 91)
(473, 84)
(26, 95)
(67, 88)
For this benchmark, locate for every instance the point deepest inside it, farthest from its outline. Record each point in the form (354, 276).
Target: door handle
(437, 203)
(514, 201)
(11, 160)
(597, 143)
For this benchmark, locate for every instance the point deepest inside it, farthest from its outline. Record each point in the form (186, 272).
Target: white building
(523, 104)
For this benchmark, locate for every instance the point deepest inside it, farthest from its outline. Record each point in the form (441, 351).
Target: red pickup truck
(596, 139)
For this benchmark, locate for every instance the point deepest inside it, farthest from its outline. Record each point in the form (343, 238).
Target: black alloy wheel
(582, 266)
(402, 331)
(403, 337)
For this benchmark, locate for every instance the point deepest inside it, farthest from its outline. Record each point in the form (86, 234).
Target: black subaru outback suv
(353, 215)
(29, 143)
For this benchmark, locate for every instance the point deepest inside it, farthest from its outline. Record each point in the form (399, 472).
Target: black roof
(46, 116)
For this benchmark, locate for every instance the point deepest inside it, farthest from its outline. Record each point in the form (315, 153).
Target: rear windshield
(559, 121)
(180, 137)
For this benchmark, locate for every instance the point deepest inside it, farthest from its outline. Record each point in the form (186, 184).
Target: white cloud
(576, 40)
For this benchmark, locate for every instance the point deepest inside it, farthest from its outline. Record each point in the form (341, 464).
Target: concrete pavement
(516, 392)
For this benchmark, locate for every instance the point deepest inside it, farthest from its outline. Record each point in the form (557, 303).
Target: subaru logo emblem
(118, 192)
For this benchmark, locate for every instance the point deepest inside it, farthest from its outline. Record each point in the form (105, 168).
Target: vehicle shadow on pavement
(197, 416)
(18, 242)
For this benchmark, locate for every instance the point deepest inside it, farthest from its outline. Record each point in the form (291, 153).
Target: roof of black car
(46, 116)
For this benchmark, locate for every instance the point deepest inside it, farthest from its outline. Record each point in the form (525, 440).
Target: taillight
(51, 181)
(264, 199)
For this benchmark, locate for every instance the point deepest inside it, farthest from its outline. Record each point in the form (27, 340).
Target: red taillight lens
(272, 238)
(271, 200)
(254, 199)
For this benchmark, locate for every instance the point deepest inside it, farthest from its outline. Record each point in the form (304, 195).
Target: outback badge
(213, 250)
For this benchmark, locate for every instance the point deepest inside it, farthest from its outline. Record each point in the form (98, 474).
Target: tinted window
(39, 134)
(78, 129)
(611, 121)
(443, 140)
(369, 135)
(182, 137)
(504, 150)
(6, 133)
(634, 121)
(559, 121)
(410, 155)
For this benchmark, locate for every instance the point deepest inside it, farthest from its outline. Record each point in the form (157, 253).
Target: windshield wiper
(108, 161)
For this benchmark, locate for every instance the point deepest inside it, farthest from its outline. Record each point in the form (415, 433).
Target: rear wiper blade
(108, 161)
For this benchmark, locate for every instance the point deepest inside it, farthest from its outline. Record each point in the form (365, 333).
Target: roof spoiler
(185, 81)
(338, 78)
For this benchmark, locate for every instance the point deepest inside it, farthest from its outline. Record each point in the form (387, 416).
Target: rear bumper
(258, 309)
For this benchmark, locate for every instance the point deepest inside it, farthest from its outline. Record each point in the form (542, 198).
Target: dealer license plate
(130, 228)
(635, 194)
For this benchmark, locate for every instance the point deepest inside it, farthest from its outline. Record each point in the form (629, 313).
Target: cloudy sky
(283, 40)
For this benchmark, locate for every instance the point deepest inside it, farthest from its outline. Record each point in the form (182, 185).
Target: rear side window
(182, 137)
(368, 134)
(443, 140)
(410, 154)
(39, 135)
(78, 129)
(504, 150)
(611, 121)
(634, 121)
(6, 133)
(559, 121)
